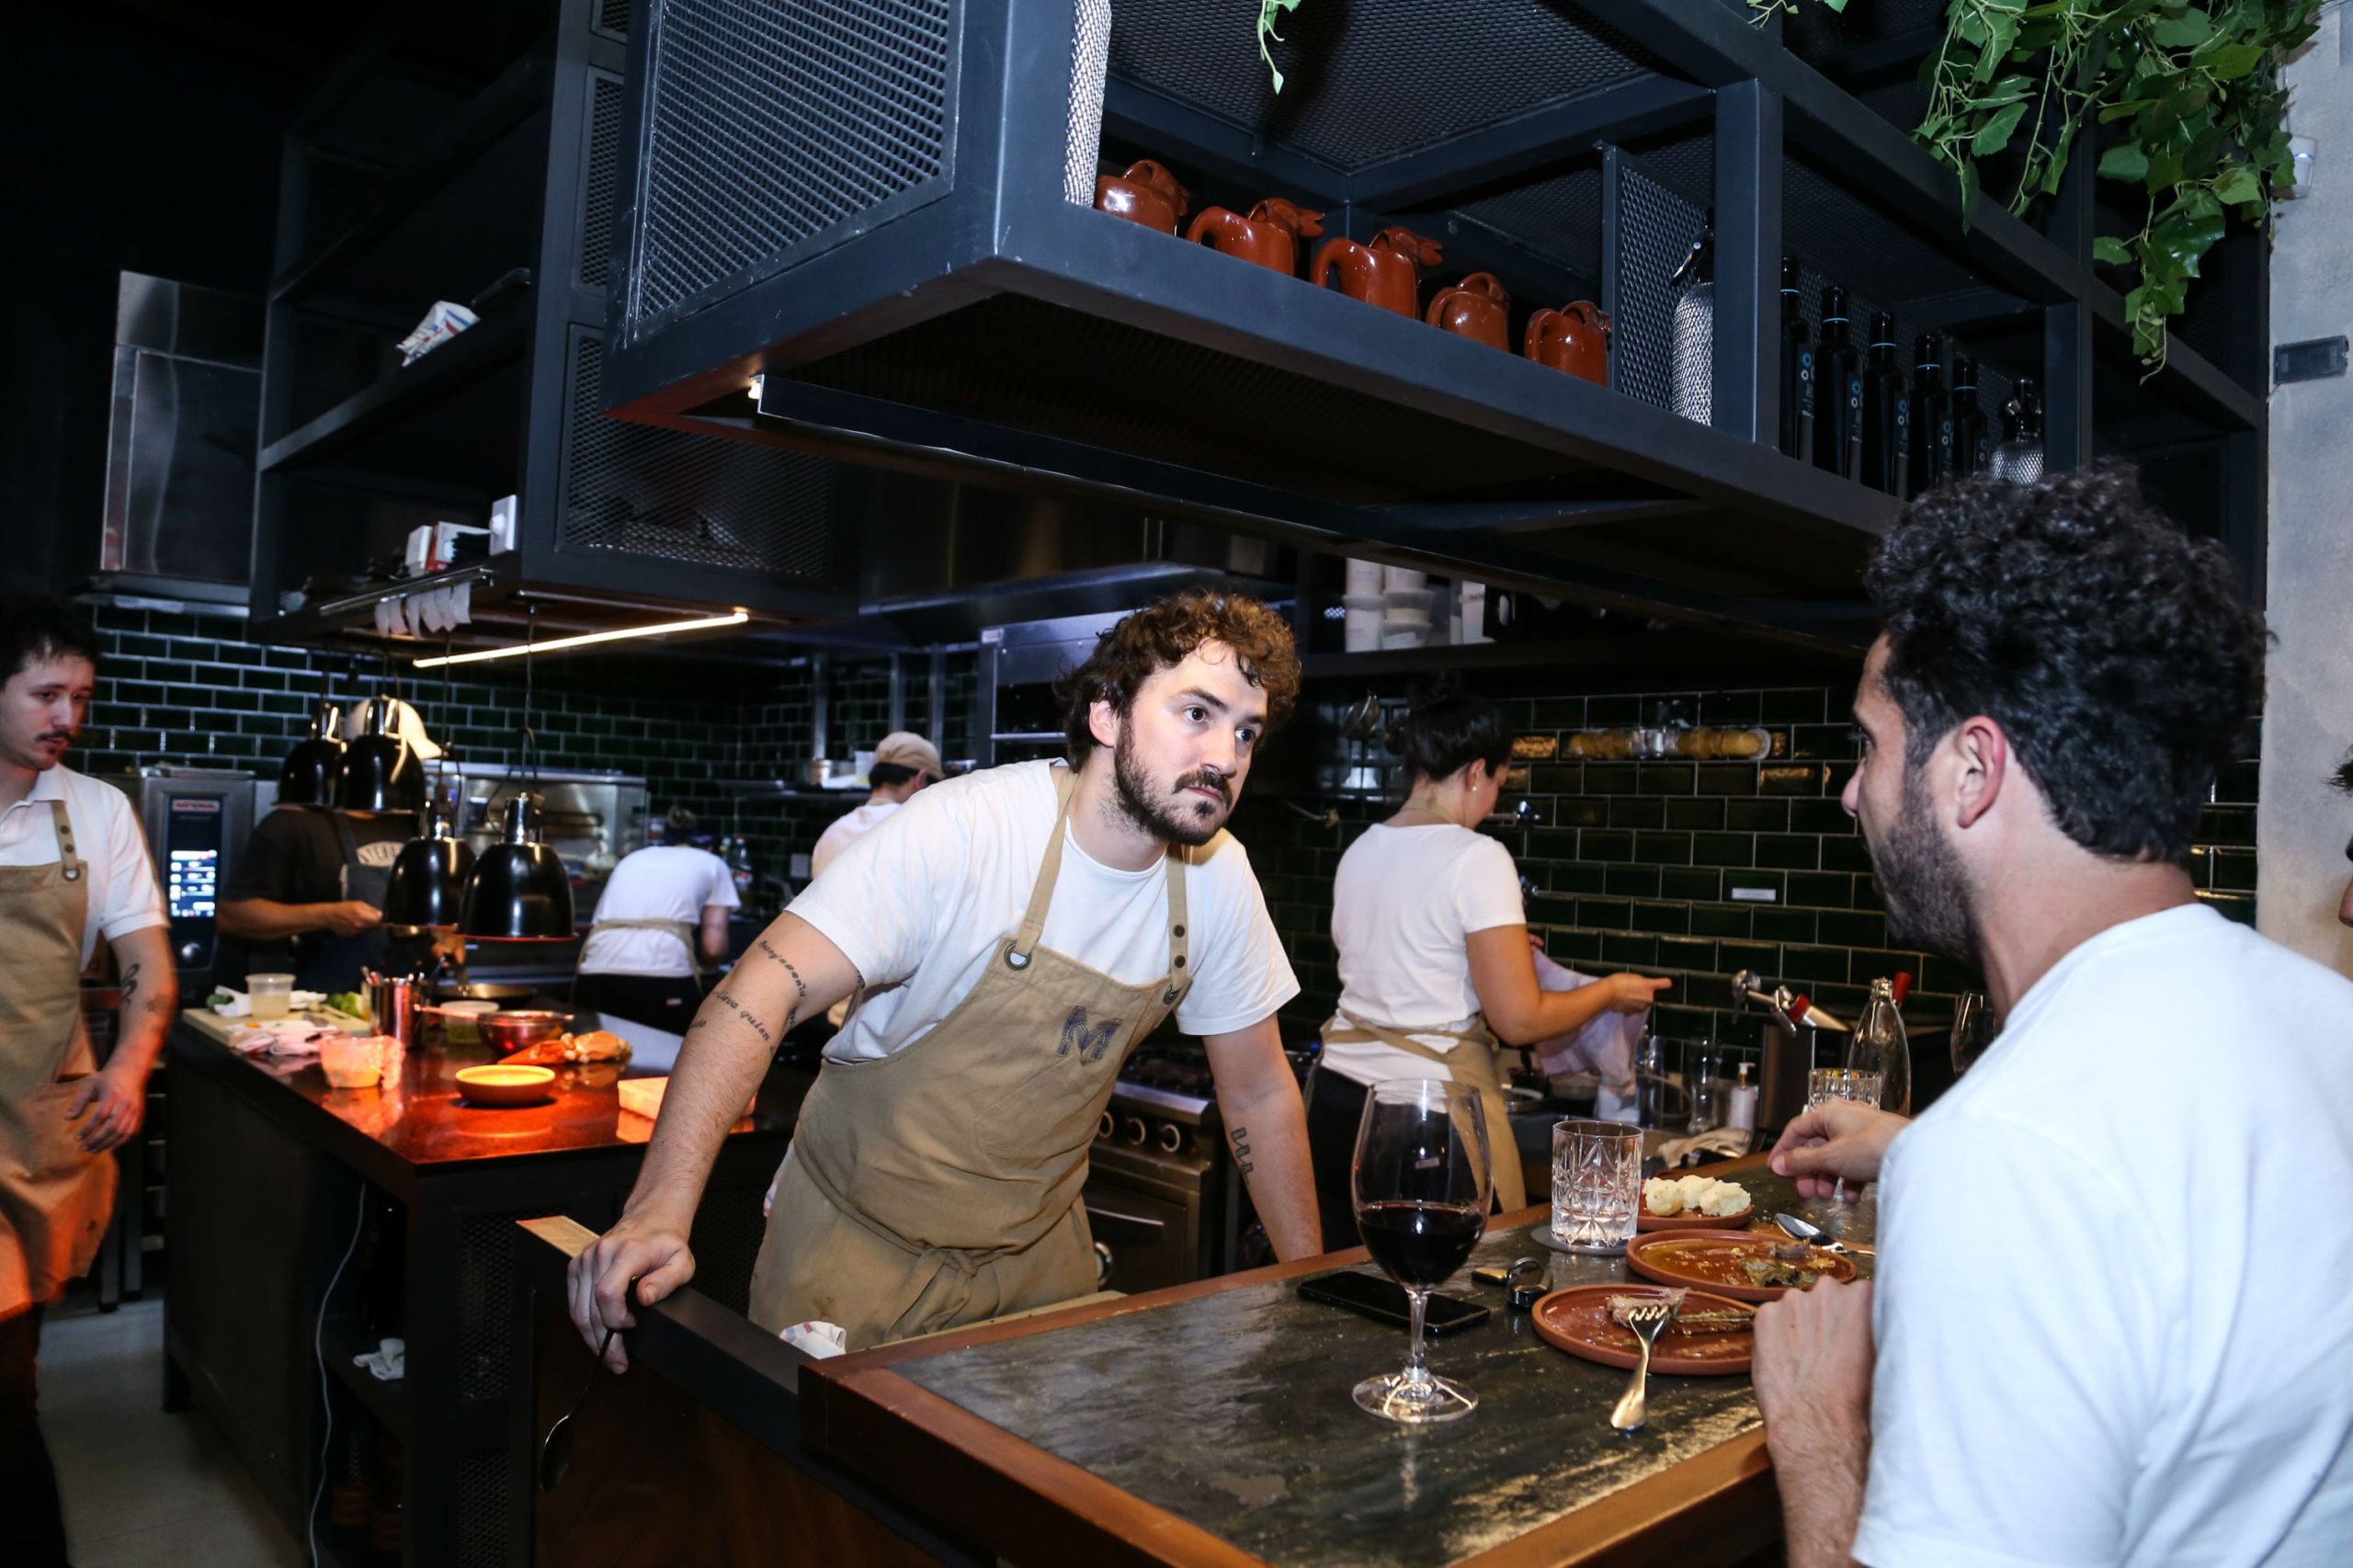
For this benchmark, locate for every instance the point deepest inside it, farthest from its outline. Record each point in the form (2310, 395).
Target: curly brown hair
(1163, 634)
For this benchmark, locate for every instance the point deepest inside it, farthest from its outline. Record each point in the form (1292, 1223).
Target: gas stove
(1168, 1080)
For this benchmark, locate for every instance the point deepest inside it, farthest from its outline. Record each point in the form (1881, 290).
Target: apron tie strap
(1042, 894)
(66, 860)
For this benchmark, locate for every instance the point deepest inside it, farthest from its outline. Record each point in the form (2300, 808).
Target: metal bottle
(2019, 456)
(1692, 332)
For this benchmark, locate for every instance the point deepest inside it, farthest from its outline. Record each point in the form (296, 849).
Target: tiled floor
(143, 1487)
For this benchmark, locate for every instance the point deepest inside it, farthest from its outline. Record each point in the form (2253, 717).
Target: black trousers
(1335, 1107)
(32, 1519)
(664, 1002)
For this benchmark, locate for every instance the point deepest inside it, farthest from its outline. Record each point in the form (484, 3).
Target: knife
(1814, 1235)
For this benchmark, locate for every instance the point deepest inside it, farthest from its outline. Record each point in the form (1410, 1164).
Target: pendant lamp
(378, 773)
(520, 891)
(308, 774)
(428, 879)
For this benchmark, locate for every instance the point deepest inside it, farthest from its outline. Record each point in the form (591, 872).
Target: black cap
(1964, 372)
(1882, 329)
(1834, 302)
(1928, 348)
(1792, 275)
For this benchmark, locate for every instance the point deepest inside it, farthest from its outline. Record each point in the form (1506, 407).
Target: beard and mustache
(1172, 817)
(1922, 882)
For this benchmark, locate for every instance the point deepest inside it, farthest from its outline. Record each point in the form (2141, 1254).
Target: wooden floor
(143, 1489)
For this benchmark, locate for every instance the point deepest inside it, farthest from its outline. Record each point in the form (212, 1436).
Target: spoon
(1814, 1235)
(555, 1448)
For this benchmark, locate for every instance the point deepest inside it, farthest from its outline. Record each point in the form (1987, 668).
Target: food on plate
(1704, 1321)
(595, 1045)
(349, 1003)
(1619, 1306)
(1667, 1196)
(1796, 1266)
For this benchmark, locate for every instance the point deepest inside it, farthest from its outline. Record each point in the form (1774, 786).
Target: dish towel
(1604, 1047)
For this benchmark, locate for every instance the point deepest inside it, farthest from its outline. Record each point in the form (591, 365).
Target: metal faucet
(1781, 1004)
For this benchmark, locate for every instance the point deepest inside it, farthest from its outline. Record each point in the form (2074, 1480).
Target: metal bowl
(523, 1028)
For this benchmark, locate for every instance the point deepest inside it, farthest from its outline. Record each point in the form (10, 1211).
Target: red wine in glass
(1422, 1183)
(1420, 1243)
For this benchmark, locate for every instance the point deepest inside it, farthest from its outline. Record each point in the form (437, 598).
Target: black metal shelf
(450, 417)
(1654, 652)
(339, 1341)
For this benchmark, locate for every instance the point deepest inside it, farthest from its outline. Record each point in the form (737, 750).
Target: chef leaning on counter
(1014, 933)
(73, 866)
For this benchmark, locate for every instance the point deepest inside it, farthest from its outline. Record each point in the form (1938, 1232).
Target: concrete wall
(2308, 712)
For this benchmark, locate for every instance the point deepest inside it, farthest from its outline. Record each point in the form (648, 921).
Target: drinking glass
(1422, 1182)
(1596, 1184)
(1827, 1084)
(1973, 1031)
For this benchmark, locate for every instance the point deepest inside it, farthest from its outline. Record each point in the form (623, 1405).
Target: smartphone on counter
(1384, 1299)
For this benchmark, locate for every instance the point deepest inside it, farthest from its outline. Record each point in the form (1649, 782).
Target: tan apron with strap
(1471, 1061)
(55, 1198)
(940, 1186)
(681, 929)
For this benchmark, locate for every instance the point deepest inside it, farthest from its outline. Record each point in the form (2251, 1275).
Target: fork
(1647, 1322)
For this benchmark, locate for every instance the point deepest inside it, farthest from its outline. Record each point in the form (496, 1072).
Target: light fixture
(428, 879)
(518, 891)
(704, 624)
(378, 771)
(307, 777)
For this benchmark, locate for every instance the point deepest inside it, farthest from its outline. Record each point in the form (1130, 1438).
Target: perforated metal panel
(481, 1513)
(612, 19)
(769, 125)
(1090, 51)
(485, 1304)
(1655, 228)
(1559, 218)
(1361, 82)
(602, 174)
(698, 500)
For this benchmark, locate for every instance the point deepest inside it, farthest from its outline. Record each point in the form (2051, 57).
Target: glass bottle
(1887, 412)
(1880, 1045)
(1797, 367)
(1931, 414)
(1973, 445)
(1838, 372)
(1691, 333)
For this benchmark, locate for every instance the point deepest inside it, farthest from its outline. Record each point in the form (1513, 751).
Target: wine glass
(1422, 1182)
(1973, 1031)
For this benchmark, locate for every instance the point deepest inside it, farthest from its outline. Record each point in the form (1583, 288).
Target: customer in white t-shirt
(662, 915)
(2110, 1317)
(2343, 779)
(1435, 962)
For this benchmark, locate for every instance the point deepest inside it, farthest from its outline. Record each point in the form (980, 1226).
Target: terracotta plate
(1710, 1260)
(1578, 1321)
(504, 1085)
(1646, 1220)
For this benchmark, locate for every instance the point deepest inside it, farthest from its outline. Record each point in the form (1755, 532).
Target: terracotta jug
(1575, 338)
(1145, 193)
(1385, 273)
(1477, 308)
(1269, 237)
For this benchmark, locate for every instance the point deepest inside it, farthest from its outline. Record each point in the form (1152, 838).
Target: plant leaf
(2237, 183)
(2126, 160)
(2187, 29)
(1994, 134)
(2111, 249)
(2233, 61)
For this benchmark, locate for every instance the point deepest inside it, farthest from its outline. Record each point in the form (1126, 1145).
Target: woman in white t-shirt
(1435, 960)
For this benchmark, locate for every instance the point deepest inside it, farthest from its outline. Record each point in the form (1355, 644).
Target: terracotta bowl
(504, 1085)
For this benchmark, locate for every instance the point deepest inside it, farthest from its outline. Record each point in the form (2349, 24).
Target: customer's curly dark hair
(2113, 650)
(2343, 778)
(1163, 633)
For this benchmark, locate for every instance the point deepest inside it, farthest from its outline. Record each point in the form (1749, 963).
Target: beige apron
(683, 930)
(55, 1199)
(1473, 1062)
(940, 1186)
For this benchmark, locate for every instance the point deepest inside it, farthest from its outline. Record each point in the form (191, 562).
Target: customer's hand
(1836, 1140)
(109, 1108)
(654, 1255)
(1632, 993)
(351, 918)
(1813, 1370)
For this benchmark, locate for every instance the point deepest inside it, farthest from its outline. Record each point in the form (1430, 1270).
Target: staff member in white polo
(663, 913)
(903, 762)
(73, 867)
(1017, 931)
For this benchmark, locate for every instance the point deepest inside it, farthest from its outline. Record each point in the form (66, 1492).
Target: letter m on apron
(1090, 1043)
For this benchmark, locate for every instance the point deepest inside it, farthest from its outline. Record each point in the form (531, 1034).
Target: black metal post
(1748, 260)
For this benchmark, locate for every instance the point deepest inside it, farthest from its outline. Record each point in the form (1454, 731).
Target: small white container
(1407, 607)
(1361, 626)
(462, 1021)
(1393, 637)
(1403, 579)
(351, 1063)
(1364, 578)
(271, 994)
(1471, 601)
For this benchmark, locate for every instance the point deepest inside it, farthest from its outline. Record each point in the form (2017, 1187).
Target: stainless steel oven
(196, 822)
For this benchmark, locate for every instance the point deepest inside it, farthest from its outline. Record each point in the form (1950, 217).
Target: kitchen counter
(303, 1213)
(1212, 1424)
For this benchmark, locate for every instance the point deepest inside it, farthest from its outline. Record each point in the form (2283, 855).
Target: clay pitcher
(1477, 308)
(1145, 193)
(1385, 273)
(1575, 338)
(1269, 235)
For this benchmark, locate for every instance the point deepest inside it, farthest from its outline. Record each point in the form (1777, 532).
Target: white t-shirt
(661, 881)
(2112, 1313)
(846, 830)
(123, 896)
(920, 904)
(1402, 902)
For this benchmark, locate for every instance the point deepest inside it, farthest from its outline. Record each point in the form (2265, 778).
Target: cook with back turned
(1013, 934)
(1436, 966)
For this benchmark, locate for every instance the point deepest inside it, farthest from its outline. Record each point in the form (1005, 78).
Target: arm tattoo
(1241, 1138)
(130, 984)
(724, 1000)
(791, 1014)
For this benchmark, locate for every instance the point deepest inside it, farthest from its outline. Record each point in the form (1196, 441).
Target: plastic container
(1403, 579)
(1364, 578)
(462, 1021)
(351, 1063)
(1393, 637)
(1362, 629)
(271, 994)
(1407, 607)
(1471, 599)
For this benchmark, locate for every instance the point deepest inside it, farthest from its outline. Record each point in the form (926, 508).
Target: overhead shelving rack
(895, 257)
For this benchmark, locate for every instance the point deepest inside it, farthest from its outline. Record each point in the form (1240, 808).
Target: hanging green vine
(2188, 92)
